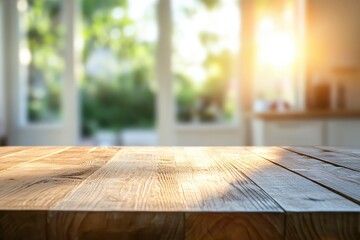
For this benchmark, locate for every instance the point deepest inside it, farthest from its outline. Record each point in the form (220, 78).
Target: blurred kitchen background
(180, 72)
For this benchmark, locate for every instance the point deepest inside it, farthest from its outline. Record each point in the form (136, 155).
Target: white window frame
(167, 127)
(68, 77)
(2, 83)
(20, 131)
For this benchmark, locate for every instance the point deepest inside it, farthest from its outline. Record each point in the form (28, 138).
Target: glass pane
(118, 42)
(276, 54)
(41, 60)
(206, 43)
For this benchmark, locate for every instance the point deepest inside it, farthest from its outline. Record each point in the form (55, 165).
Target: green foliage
(185, 97)
(197, 102)
(210, 4)
(90, 8)
(128, 98)
(43, 32)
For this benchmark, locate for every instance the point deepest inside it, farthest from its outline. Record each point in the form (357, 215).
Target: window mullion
(165, 97)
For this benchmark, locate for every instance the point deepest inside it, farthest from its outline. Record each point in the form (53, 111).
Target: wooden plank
(350, 151)
(291, 191)
(344, 226)
(39, 184)
(176, 193)
(335, 157)
(152, 179)
(136, 179)
(7, 151)
(171, 179)
(294, 193)
(23, 225)
(340, 180)
(234, 226)
(28, 155)
(115, 225)
(213, 184)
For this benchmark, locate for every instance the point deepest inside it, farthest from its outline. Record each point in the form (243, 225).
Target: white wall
(334, 32)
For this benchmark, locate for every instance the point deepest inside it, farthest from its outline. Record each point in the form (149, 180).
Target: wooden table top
(179, 193)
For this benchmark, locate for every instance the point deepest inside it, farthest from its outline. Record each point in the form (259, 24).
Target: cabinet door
(294, 133)
(343, 133)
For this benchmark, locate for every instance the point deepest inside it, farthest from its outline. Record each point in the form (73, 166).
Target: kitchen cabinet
(306, 129)
(343, 132)
(288, 132)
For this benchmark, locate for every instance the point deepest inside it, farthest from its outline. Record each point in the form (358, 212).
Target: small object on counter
(261, 105)
(280, 105)
(322, 95)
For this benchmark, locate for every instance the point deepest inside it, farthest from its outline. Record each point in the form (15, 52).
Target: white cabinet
(306, 132)
(343, 133)
(288, 132)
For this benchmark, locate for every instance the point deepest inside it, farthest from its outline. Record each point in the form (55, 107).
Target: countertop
(179, 193)
(310, 114)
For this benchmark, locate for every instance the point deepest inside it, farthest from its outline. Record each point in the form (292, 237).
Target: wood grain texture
(176, 193)
(252, 226)
(213, 184)
(26, 155)
(134, 179)
(342, 180)
(338, 158)
(8, 151)
(152, 179)
(24, 225)
(115, 225)
(344, 226)
(40, 183)
(349, 151)
(291, 191)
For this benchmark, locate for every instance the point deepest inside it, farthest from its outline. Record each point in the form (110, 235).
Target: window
(41, 59)
(119, 41)
(205, 52)
(112, 57)
(278, 45)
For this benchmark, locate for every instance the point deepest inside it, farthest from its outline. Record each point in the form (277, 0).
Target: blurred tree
(125, 97)
(207, 100)
(118, 84)
(41, 49)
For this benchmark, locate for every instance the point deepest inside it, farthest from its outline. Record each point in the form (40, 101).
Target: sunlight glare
(22, 5)
(275, 47)
(118, 13)
(266, 24)
(25, 56)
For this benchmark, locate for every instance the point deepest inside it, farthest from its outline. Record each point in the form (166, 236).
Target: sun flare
(275, 47)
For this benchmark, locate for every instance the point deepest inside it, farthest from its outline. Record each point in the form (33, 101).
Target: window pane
(118, 87)
(41, 60)
(205, 52)
(276, 54)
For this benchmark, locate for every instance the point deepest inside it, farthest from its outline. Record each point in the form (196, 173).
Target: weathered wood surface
(343, 181)
(337, 156)
(349, 151)
(177, 193)
(39, 184)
